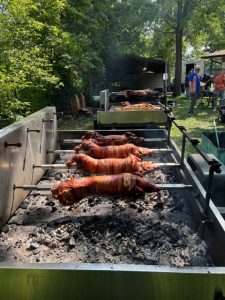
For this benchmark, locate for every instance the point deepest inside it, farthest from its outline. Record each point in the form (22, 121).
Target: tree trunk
(179, 47)
(178, 66)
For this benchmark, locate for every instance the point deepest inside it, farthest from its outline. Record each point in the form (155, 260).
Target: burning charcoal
(140, 209)
(53, 245)
(94, 240)
(72, 242)
(158, 205)
(5, 229)
(52, 233)
(24, 205)
(151, 260)
(133, 205)
(58, 176)
(146, 236)
(33, 246)
(36, 251)
(50, 203)
(119, 235)
(178, 207)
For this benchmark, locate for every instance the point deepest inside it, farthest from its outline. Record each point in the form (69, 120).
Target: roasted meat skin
(125, 184)
(121, 151)
(105, 140)
(141, 106)
(130, 164)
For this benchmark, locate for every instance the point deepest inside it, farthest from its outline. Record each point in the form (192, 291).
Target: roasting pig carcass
(121, 151)
(137, 93)
(125, 184)
(130, 164)
(114, 139)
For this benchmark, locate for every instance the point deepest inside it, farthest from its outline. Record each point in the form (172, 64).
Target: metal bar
(64, 166)
(209, 189)
(78, 141)
(183, 149)
(73, 151)
(55, 166)
(174, 186)
(163, 165)
(34, 187)
(12, 145)
(33, 130)
(163, 186)
(47, 121)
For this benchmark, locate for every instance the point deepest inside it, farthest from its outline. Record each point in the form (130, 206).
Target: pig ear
(128, 134)
(139, 190)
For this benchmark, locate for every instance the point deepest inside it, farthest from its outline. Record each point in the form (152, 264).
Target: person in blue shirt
(194, 88)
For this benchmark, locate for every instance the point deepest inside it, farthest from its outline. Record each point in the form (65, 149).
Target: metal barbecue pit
(101, 280)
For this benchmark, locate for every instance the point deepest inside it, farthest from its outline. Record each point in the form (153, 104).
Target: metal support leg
(209, 190)
(214, 167)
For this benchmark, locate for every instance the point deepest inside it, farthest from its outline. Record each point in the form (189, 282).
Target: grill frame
(109, 281)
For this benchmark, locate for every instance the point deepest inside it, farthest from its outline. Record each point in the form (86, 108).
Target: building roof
(220, 53)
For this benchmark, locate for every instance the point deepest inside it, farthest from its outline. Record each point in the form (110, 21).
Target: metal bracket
(47, 121)
(12, 145)
(195, 142)
(33, 130)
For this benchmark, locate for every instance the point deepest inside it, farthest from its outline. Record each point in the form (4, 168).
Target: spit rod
(74, 166)
(162, 186)
(73, 151)
(78, 141)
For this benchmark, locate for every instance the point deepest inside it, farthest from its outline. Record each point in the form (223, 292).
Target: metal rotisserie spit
(164, 245)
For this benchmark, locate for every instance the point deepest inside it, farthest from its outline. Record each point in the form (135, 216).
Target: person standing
(194, 88)
(187, 93)
(220, 87)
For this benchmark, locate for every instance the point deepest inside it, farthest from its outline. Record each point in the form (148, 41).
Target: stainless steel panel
(128, 117)
(96, 281)
(16, 163)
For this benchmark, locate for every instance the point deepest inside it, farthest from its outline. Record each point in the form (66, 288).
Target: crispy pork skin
(125, 184)
(105, 140)
(121, 151)
(130, 164)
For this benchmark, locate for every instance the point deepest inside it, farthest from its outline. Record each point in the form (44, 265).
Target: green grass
(80, 123)
(194, 125)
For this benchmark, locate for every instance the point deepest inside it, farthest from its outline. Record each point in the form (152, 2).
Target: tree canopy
(51, 49)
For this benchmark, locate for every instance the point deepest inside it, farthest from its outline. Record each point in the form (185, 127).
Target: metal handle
(47, 121)
(13, 145)
(33, 130)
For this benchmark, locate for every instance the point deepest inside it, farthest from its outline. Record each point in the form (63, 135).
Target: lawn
(203, 121)
(194, 125)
